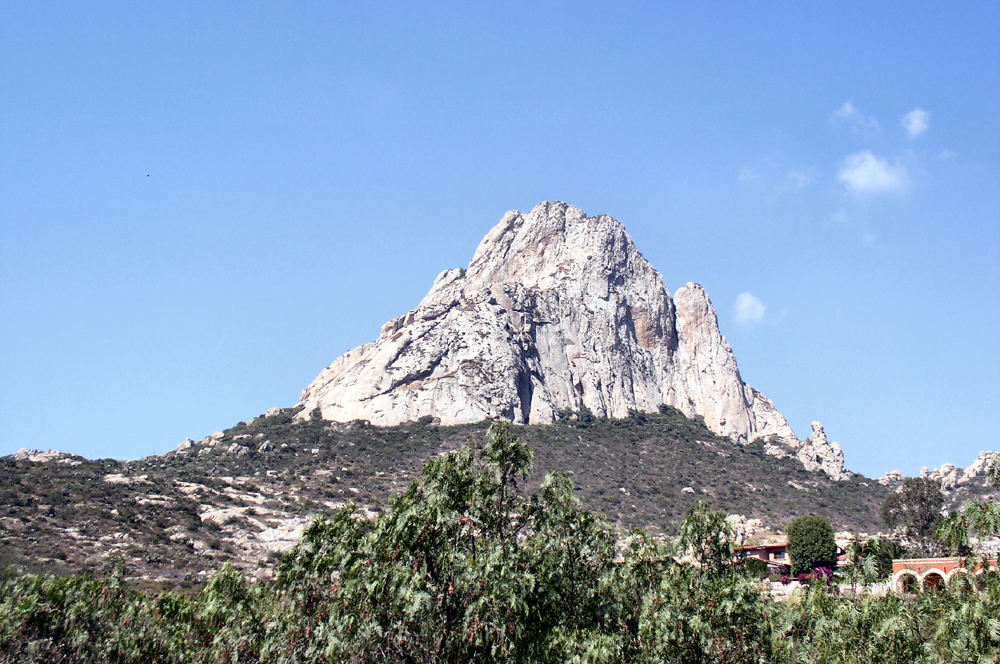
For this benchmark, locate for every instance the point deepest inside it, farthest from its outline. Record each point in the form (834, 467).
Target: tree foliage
(811, 544)
(869, 560)
(915, 510)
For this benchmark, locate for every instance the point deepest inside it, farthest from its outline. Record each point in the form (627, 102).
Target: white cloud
(749, 310)
(916, 122)
(945, 155)
(864, 173)
(847, 110)
(850, 115)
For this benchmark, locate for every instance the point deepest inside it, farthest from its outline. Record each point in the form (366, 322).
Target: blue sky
(202, 207)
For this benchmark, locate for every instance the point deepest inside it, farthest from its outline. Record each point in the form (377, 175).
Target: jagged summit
(555, 246)
(556, 310)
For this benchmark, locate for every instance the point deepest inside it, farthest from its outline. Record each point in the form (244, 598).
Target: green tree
(465, 567)
(915, 511)
(811, 544)
(821, 626)
(870, 560)
(710, 611)
(707, 536)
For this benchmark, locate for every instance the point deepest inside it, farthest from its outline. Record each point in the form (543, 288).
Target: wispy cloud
(863, 173)
(796, 179)
(916, 122)
(749, 310)
(773, 174)
(850, 115)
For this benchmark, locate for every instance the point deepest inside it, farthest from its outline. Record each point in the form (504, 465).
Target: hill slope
(244, 494)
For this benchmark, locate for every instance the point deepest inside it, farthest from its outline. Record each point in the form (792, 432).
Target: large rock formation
(557, 310)
(952, 477)
(818, 453)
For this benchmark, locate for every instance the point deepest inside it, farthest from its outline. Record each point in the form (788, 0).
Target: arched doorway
(906, 583)
(933, 580)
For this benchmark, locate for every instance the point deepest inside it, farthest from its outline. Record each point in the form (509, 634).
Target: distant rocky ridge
(950, 476)
(557, 311)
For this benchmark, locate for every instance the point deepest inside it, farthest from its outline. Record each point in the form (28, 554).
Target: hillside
(245, 493)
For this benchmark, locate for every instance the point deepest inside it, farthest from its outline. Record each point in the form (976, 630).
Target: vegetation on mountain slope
(176, 517)
(464, 566)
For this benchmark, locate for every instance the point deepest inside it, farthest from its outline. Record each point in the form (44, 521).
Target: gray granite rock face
(556, 310)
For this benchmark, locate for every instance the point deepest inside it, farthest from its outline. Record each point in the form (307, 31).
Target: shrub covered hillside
(464, 567)
(239, 495)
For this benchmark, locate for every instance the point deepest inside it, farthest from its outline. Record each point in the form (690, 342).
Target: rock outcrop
(42, 456)
(952, 477)
(818, 453)
(556, 311)
(891, 477)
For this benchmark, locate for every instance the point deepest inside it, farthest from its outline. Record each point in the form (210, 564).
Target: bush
(756, 567)
(811, 544)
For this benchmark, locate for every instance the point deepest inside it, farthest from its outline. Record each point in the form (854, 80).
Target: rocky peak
(818, 453)
(557, 248)
(982, 465)
(556, 310)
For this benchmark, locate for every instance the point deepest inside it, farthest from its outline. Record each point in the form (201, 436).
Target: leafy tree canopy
(811, 544)
(915, 510)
